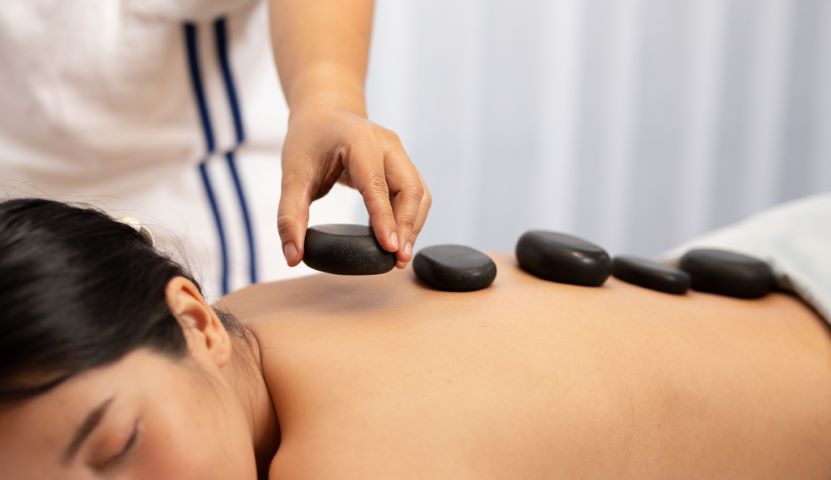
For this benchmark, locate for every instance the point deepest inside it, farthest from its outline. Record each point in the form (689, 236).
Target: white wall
(633, 123)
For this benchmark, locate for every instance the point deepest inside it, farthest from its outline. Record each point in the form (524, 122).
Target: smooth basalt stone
(454, 268)
(650, 274)
(727, 273)
(563, 258)
(346, 249)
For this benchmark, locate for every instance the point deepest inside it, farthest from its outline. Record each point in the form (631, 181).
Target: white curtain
(633, 123)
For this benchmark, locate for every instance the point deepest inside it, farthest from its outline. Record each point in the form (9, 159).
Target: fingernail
(394, 240)
(290, 251)
(408, 249)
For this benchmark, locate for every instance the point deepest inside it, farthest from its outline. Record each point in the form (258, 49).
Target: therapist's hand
(324, 145)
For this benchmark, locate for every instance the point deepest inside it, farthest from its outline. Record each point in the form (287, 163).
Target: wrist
(327, 87)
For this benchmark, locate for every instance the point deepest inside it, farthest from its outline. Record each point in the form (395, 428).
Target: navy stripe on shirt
(220, 31)
(191, 33)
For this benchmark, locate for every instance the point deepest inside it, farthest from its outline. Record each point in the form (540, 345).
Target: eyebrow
(91, 421)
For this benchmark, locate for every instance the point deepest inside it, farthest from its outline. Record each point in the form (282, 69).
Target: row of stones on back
(568, 259)
(353, 250)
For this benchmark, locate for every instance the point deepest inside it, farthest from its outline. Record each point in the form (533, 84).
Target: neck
(252, 391)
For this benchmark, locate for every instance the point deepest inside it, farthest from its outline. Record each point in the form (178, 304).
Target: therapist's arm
(321, 49)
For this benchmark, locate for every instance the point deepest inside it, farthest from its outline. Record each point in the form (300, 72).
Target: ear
(206, 337)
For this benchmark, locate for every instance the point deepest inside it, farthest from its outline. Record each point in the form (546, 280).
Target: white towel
(794, 238)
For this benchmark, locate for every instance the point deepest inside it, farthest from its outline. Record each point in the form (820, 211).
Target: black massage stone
(454, 268)
(563, 258)
(650, 274)
(346, 249)
(727, 273)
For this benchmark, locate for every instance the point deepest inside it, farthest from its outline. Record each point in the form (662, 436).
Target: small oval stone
(650, 274)
(563, 258)
(346, 249)
(454, 268)
(727, 273)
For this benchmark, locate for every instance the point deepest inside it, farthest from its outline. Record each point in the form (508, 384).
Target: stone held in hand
(346, 249)
(727, 273)
(454, 268)
(650, 274)
(563, 258)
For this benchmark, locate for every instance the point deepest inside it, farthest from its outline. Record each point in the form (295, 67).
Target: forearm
(321, 49)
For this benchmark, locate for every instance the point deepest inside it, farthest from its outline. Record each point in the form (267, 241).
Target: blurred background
(635, 124)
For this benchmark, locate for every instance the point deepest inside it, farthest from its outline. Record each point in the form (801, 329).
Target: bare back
(379, 377)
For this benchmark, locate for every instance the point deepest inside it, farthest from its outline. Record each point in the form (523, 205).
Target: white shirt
(148, 108)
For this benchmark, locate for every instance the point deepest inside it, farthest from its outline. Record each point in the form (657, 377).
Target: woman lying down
(113, 366)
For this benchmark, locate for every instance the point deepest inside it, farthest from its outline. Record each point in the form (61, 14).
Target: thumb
(293, 217)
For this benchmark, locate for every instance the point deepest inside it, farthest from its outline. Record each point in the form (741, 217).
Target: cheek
(198, 435)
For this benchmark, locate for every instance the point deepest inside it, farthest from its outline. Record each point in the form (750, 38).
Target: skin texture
(379, 377)
(321, 49)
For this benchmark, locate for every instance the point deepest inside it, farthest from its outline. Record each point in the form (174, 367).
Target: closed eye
(126, 449)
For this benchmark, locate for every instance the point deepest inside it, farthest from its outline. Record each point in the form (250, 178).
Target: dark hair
(78, 290)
